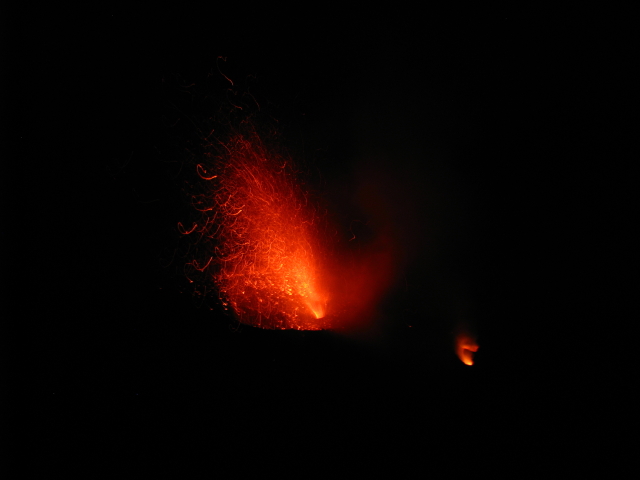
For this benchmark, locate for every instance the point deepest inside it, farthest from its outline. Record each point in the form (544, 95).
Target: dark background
(498, 139)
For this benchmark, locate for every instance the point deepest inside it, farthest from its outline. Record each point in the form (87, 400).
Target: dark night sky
(500, 142)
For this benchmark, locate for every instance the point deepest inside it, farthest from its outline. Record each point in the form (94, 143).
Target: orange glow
(262, 236)
(466, 346)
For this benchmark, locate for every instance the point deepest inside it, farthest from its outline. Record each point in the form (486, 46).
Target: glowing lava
(466, 346)
(262, 236)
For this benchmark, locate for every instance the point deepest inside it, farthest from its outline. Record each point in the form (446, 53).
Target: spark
(262, 234)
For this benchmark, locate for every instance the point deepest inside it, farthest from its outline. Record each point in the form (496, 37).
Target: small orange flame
(466, 346)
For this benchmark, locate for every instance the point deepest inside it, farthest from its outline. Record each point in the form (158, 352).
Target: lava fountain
(262, 235)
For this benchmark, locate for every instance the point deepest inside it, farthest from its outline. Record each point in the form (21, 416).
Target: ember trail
(261, 235)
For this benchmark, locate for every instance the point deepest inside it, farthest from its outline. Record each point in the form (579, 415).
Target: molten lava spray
(262, 234)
